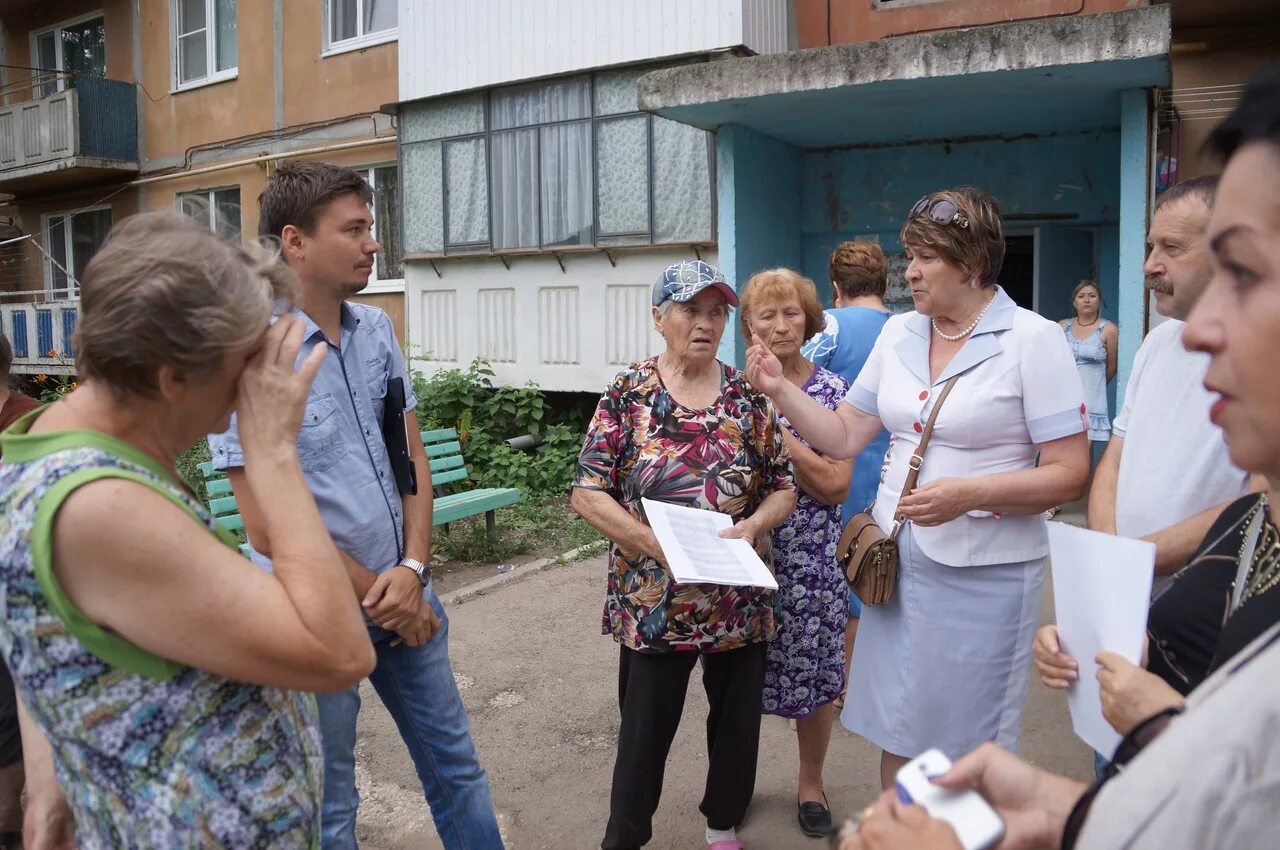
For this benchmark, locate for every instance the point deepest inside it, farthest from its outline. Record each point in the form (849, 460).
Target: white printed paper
(1101, 592)
(697, 554)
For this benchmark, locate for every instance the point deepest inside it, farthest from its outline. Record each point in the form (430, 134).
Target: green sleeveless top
(149, 752)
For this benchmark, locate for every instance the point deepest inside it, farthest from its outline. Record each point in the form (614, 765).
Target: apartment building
(113, 107)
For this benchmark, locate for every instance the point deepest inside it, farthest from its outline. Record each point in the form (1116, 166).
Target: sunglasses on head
(940, 210)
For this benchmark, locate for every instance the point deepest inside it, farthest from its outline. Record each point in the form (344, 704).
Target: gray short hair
(165, 290)
(1204, 188)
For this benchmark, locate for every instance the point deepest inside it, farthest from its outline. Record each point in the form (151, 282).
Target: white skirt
(945, 663)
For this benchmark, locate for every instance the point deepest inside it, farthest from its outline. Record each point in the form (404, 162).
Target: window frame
(377, 286)
(329, 47)
(59, 60)
(483, 248)
(212, 75)
(207, 195)
(71, 293)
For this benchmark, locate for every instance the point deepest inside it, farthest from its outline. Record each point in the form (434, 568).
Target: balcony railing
(91, 126)
(40, 331)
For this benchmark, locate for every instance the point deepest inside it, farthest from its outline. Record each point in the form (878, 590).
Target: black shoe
(815, 819)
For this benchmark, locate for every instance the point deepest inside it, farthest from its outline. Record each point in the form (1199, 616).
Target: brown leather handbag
(869, 556)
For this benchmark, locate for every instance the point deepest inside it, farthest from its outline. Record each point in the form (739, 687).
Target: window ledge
(350, 45)
(220, 77)
(547, 252)
(384, 287)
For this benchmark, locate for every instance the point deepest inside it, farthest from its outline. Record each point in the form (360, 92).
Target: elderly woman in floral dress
(805, 672)
(684, 428)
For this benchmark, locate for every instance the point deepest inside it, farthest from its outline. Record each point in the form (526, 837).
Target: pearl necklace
(964, 333)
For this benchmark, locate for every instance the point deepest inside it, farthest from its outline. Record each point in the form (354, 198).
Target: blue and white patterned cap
(683, 280)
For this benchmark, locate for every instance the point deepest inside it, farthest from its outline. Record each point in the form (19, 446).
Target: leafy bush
(188, 467)
(486, 416)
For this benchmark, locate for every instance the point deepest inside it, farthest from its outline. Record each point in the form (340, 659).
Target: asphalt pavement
(540, 684)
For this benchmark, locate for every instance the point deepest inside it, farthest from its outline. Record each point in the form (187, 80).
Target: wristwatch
(423, 571)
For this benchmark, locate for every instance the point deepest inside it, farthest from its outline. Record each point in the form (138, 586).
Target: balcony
(86, 133)
(40, 331)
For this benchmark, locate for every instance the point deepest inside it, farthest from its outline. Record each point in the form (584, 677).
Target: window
(388, 265)
(71, 48)
(218, 209)
(566, 162)
(70, 241)
(350, 24)
(204, 41)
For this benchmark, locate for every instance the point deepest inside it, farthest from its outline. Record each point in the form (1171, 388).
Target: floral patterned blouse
(728, 457)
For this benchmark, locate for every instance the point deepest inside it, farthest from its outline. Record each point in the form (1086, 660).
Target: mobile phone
(976, 824)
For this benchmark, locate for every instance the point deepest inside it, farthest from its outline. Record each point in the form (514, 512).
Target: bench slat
(450, 509)
(231, 523)
(224, 505)
(442, 464)
(444, 450)
(218, 487)
(441, 435)
(448, 477)
(207, 470)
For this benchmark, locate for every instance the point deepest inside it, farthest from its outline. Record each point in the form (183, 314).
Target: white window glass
(540, 103)
(681, 183)
(622, 151)
(466, 192)
(217, 209)
(71, 240)
(356, 20)
(514, 184)
(388, 265)
(566, 184)
(424, 198)
(206, 40)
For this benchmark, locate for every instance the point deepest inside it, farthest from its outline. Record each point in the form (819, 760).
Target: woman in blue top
(1094, 342)
(859, 276)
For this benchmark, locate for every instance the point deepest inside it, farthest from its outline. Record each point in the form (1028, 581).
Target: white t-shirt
(1175, 462)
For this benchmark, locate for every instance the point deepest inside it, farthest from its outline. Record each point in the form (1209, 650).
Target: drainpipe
(267, 157)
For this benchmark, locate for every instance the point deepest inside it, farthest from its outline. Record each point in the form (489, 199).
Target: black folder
(396, 436)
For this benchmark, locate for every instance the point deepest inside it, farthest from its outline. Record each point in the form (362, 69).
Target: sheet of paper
(1101, 592)
(696, 553)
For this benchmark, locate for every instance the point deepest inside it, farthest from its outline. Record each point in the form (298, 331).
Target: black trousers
(651, 692)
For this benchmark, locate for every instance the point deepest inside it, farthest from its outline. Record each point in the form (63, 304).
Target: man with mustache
(1166, 475)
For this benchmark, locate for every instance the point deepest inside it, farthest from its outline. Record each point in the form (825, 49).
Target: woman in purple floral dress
(804, 672)
(686, 429)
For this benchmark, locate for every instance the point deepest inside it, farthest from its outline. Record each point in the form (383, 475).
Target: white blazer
(1018, 388)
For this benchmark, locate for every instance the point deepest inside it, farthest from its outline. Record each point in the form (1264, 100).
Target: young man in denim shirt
(321, 215)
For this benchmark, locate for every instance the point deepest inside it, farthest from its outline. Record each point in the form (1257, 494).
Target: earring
(973, 284)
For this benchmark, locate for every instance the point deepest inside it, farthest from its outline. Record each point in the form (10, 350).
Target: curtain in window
(379, 15)
(423, 202)
(467, 198)
(88, 231)
(386, 218)
(540, 103)
(193, 41)
(681, 183)
(343, 20)
(514, 167)
(622, 153)
(226, 214)
(225, 13)
(566, 184)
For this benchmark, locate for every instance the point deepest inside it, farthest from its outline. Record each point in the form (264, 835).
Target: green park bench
(444, 455)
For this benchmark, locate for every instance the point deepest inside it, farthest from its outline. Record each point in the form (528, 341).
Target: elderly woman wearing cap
(684, 428)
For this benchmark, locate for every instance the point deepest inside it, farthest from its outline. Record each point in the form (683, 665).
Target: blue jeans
(417, 687)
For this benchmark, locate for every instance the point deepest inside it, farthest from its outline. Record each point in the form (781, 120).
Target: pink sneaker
(735, 844)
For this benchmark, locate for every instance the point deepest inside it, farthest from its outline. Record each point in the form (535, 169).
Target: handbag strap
(917, 457)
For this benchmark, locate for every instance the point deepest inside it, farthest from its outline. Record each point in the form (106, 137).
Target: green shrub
(485, 416)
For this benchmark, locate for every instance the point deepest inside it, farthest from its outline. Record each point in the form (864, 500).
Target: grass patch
(544, 526)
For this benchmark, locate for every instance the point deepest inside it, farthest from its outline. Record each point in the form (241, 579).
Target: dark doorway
(1018, 274)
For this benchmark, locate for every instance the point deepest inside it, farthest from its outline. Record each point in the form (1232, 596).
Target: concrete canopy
(1029, 77)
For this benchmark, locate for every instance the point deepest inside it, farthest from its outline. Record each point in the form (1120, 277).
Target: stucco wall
(824, 22)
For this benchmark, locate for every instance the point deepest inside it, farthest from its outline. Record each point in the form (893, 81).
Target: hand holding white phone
(976, 824)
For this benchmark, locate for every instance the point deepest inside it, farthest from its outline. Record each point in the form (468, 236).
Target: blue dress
(843, 347)
(1091, 361)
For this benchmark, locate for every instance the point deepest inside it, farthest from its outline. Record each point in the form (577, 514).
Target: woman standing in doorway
(1094, 342)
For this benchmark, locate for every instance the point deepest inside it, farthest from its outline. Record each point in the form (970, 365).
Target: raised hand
(273, 395)
(764, 369)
